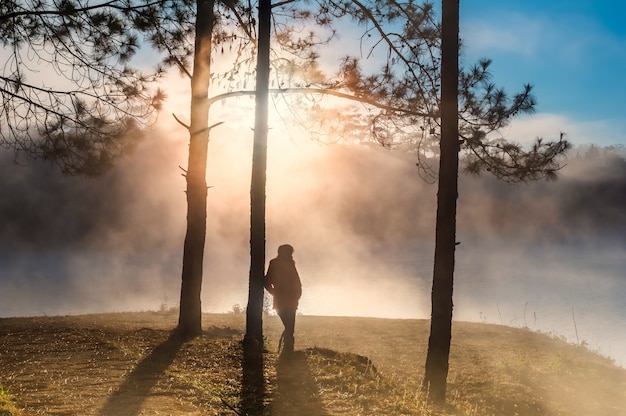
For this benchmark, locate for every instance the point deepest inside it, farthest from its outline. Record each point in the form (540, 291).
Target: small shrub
(7, 406)
(237, 309)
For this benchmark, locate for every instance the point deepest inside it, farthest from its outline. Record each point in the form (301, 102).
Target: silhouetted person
(283, 282)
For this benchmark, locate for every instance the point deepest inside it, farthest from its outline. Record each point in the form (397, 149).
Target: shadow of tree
(297, 392)
(252, 383)
(130, 396)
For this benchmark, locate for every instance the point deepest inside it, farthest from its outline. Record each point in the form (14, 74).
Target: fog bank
(547, 255)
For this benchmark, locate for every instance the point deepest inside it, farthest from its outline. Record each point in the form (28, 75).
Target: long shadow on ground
(297, 392)
(130, 396)
(253, 380)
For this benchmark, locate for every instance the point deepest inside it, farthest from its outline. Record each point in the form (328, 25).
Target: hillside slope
(126, 364)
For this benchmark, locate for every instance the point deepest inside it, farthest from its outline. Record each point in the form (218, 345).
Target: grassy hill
(126, 364)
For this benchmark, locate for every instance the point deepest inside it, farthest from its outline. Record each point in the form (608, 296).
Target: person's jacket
(283, 282)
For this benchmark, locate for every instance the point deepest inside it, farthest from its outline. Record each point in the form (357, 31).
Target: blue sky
(572, 52)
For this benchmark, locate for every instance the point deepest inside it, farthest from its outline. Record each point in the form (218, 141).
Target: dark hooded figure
(283, 283)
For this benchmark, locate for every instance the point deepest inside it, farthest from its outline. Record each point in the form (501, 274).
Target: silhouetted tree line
(48, 209)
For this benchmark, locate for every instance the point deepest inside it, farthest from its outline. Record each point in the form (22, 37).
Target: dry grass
(126, 364)
(7, 403)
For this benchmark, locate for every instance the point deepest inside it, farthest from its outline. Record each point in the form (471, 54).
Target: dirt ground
(127, 364)
(116, 364)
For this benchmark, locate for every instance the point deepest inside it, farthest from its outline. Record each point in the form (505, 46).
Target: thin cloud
(513, 33)
(579, 132)
(568, 39)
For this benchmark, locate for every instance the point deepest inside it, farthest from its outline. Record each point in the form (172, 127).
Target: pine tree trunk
(436, 370)
(254, 311)
(190, 318)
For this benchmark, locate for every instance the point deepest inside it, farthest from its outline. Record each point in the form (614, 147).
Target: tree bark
(254, 311)
(190, 317)
(436, 370)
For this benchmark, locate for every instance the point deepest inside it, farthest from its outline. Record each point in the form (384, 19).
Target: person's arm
(268, 281)
(299, 284)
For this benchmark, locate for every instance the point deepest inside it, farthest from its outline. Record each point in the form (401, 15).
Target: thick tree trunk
(445, 238)
(190, 318)
(254, 312)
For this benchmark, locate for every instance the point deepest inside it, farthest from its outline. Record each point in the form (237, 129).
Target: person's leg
(289, 321)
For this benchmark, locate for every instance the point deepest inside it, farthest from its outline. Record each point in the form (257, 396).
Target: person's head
(285, 251)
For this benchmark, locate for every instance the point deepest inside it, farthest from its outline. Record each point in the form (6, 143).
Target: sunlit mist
(540, 255)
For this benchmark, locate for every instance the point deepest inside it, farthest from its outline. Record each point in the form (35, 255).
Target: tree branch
(324, 91)
(180, 122)
(110, 4)
(283, 3)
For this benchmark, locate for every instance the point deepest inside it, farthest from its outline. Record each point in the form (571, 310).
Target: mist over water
(548, 255)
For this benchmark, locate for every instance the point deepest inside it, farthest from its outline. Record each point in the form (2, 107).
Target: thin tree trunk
(436, 370)
(254, 312)
(190, 318)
